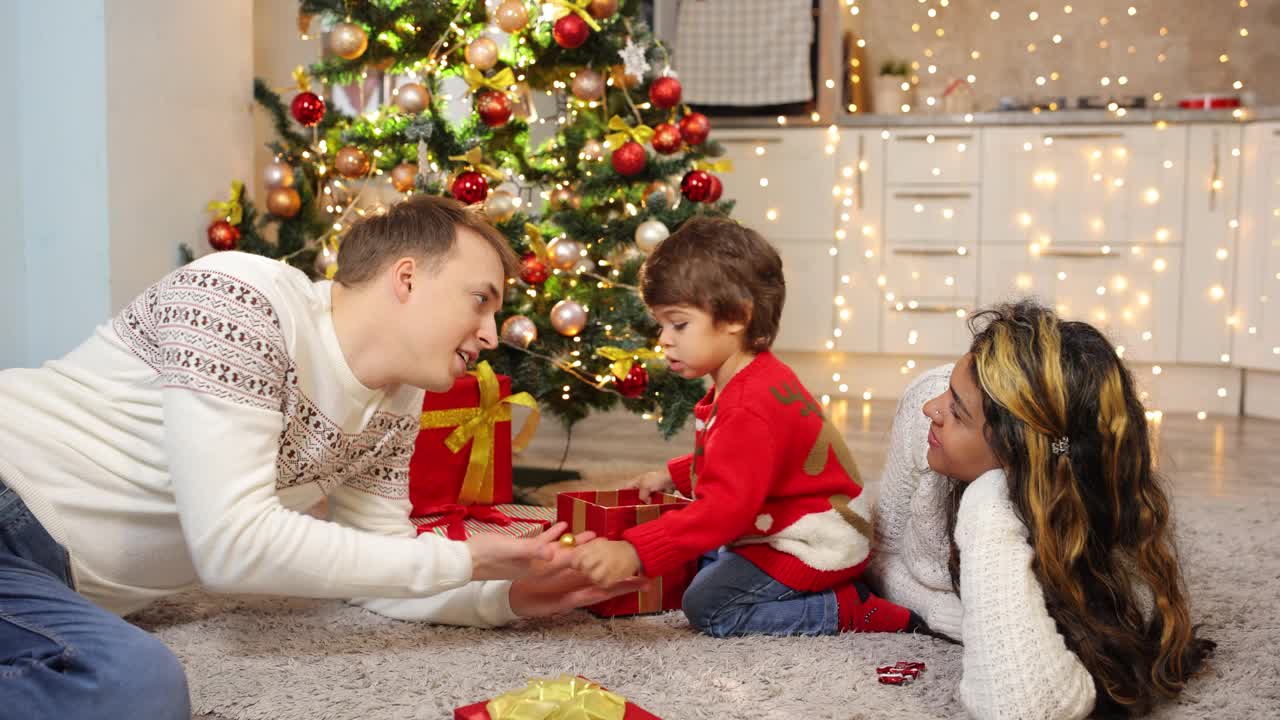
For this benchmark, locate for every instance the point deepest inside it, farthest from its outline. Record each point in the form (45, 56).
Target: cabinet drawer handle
(934, 252)
(750, 141)
(932, 195)
(930, 309)
(1084, 136)
(936, 138)
(1080, 254)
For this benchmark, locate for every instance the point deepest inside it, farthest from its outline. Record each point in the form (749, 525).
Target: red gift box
(463, 450)
(608, 513)
(459, 522)
(479, 711)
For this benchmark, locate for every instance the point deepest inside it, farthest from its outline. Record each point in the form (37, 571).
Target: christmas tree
(582, 191)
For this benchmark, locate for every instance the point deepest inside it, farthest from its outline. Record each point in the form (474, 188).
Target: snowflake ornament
(633, 59)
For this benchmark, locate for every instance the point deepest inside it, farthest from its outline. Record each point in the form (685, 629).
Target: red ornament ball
(665, 92)
(470, 187)
(629, 159)
(696, 185)
(494, 108)
(717, 189)
(695, 127)
(532, 270)
(667, 138)
(307, 108)
(634, 384)
(223, 235)
(571, 31)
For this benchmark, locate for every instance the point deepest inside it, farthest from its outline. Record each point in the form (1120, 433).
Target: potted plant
(892, 89)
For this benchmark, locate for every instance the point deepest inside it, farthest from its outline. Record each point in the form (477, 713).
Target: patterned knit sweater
(178, 444)
(1016, 664)
(770, 476)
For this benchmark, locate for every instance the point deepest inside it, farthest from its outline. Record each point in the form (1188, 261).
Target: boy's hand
(498, 557)
(607, 562)
(650, 483)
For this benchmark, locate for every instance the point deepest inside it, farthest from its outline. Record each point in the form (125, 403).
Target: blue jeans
(731, 596)
(63, 657)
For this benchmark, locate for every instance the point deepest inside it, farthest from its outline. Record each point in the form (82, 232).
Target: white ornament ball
(519, 330)
(649, 234)
(563, 253)
(278, 174)
(568, 317)
(501, 206)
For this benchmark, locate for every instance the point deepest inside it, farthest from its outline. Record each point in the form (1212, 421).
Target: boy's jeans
(63, 657)
(730, 596)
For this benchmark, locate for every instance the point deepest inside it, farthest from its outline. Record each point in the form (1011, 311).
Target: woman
(1019, 513)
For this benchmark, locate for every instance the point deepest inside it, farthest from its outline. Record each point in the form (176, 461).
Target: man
(178, 445)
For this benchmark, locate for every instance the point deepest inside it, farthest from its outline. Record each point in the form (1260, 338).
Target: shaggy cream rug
(268, 658)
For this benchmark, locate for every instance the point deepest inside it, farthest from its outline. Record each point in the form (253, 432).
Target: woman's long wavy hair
(1097, 514)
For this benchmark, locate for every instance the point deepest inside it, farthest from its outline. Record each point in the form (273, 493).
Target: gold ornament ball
(649, 234)
(501, 206)
(621, 78)
(413, 98)
(351, 162)
(662, 188)
(519, 330)
(483, 53)
(563, 253)
(588, 85)
(561, 198)
(278, 174)
(348, 40)
(403, 176)
(602, 9)
(568, 540)
(283, 202)
(593, 150)
(512, 16)
(568, 317)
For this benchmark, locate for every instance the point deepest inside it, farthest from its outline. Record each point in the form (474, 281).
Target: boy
(178, 444)
(770, 477)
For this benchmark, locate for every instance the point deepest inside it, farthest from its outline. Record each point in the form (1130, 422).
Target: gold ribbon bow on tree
(577, 7)
(300, 78)
(500, 82)
(475, 425)
(565, 698)
(475, 158)
(622, 132)
(623, 360)
(231, 209)
(536, 243)
(719, 166)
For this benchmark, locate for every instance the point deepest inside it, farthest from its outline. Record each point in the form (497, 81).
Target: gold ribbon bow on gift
(566, 698)
(577, 7)
(624, 359)
(475, 158)
(719, 166)
(475, 425)
(500, 82)
(231, 209)
(622, 132)
(536, 242)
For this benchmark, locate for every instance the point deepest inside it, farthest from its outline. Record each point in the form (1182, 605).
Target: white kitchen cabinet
(926, 328)
(782, 181)
(809, 312)
(1129, 292)
(1103, 185)
(1257, 288)
(861, 166)
(933, 155)
(1212, 207)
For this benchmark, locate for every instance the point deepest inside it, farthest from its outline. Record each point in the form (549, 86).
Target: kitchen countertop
(1001, 119)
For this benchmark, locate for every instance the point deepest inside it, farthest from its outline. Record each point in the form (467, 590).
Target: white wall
(128, 116)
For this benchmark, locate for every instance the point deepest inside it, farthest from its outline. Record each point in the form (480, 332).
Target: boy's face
(693, 342)
(448, 313)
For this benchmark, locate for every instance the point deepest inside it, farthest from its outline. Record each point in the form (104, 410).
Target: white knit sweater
(178, 444)
(1016, 664)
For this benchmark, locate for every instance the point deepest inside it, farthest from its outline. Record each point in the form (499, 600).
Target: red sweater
(769, 476)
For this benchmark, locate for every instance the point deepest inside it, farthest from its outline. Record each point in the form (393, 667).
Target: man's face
(694, 343)
(449, 313)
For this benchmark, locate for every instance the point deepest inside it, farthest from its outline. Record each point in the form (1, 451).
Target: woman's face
(958, 445)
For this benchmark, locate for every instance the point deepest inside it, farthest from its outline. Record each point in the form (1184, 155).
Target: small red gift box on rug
(459, 522)
(608, 513)
(566, 696)
(463, 451)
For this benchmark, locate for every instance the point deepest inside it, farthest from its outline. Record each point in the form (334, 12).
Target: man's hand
(651, 482)
(607, 562)
(561, 590)
(498, 557)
